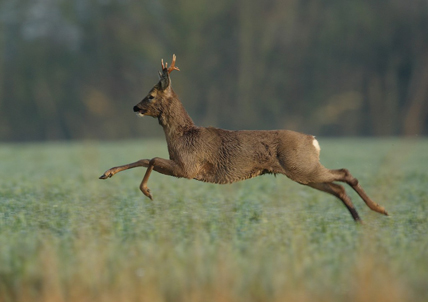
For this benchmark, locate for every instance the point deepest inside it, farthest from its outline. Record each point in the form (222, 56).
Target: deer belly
(223, 175)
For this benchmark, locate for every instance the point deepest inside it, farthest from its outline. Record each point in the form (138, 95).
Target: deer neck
(175, 120)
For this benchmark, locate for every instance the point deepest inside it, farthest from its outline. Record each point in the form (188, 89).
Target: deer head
(155, 100)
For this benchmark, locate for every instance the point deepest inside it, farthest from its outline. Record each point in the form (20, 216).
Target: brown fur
(223, 156)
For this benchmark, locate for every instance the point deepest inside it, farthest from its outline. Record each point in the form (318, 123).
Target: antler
(172, 67)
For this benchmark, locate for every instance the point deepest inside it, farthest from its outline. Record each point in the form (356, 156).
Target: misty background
(74, 69)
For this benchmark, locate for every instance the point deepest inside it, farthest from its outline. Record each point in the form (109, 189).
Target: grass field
(67, 236)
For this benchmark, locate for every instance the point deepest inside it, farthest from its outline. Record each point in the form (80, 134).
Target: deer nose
(136, 109)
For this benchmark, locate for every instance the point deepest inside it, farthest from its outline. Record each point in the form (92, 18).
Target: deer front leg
(164, 166)
(110, 172)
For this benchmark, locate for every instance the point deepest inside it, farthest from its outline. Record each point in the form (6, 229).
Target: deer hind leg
(339, 192)
(112, 171)
(164, 166)
(344, 175)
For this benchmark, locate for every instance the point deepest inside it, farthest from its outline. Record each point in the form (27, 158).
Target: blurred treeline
(75, 68)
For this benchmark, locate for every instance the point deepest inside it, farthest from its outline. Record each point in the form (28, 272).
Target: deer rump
(223, 156)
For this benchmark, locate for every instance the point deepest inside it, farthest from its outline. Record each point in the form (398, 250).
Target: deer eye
(150, 97)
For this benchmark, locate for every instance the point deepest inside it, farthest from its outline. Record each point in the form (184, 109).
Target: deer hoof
(146, 191)
(107, 174)
(104, 176)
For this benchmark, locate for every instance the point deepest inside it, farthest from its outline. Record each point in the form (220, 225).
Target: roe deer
(223, 156)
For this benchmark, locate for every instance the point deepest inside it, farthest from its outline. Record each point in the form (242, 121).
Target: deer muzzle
(139, 111)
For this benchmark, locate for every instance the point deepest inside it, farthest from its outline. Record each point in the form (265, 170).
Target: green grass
(67, 236)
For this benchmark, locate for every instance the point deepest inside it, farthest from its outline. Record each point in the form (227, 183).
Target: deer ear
(164, 80)
(164, 83)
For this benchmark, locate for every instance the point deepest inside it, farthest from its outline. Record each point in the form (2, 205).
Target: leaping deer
(223, 156)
